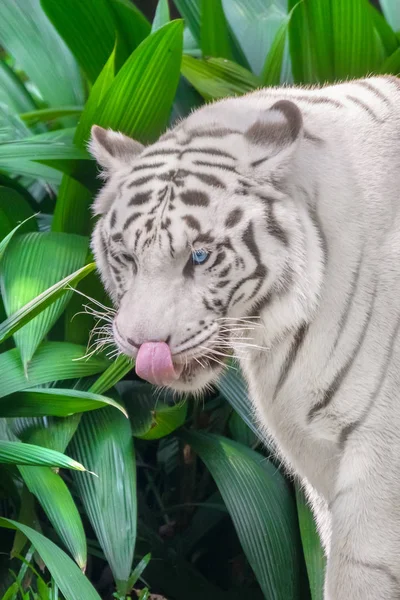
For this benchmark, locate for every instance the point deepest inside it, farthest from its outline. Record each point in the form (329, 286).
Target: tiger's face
(192, 241)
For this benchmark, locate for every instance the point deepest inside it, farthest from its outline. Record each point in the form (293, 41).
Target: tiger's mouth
(191, 366)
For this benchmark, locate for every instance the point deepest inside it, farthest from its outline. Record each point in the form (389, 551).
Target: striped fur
(295, 194)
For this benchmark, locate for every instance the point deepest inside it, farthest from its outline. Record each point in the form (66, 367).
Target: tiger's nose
(137, 345)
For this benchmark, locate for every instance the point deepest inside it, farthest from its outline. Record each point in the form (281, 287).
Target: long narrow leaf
(17, 453)
(50, 65)
(69, 578)
(56, 500)
(261, 508)
(214, 33)
(104, 441)
(33, 263)
(55, 402)
(7, 239)
(53, 361)
(216, 78)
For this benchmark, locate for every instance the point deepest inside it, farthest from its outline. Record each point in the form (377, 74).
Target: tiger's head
(197, 234)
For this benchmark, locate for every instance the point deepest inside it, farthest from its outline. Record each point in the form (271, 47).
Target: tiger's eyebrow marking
(195, 198)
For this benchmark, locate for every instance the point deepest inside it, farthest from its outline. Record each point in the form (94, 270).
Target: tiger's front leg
(364, 557)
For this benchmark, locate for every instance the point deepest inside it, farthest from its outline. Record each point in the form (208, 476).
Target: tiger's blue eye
(199, 257)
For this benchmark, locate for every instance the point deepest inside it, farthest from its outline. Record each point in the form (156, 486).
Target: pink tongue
(154, 363)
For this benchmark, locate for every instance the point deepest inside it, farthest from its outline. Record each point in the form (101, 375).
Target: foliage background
(106, 489)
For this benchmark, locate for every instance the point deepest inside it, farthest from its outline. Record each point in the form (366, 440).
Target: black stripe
(340, 376)
(130, 219)
(349, 301)
(259, 161)
(373, 90)
(273, 227)
(192, 222)
(140, 181)
(216, 132)
(113, 218)
(311, 137)
(211, 151)
(234, 217)
(365, 107)
(249, 240)
(117, 237)
(291, 357)
(381, 568)
(209, 180)
(219, 258)
(205, 163)
(161, 152)
(147, 166)
(204, 238)
(139, 199)
(194, 198)
(317, 100)
(351, 427)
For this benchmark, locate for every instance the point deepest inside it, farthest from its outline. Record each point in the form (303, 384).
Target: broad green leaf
(17, 453)
(391, 64)
(50, 65)
(214, 32)
(153, 416)
(13, 93)
(217, 78)
(233, 388)
(27, 312)
(300, 43)
(388, 37)
(115, 372)
(391, 10)
(33, 263)
(53, 401)
(140, 98)
(88, 28)
(50, 432)
(72, 208)
(104, 440)
(50, 114)
(132, 28)
(271, 73)
(7, 239)
(14, 209)
(52, 146)
(69, 578)
(313, 553)
(262, 509)
(52, 361)
(241, 432)
(56, 501)
(162, 15)
(255, 24)
(191, 12)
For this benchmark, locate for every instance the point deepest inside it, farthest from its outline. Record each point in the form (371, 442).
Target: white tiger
(272, 221)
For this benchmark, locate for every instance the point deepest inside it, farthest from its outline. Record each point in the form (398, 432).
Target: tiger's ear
(273, 138)
(111, 148)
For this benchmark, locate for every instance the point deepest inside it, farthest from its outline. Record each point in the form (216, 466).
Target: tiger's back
(290, 197)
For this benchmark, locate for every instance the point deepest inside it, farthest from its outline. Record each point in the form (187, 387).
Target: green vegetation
(106, 490)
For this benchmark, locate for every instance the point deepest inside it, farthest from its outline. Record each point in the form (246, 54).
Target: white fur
(351, 182)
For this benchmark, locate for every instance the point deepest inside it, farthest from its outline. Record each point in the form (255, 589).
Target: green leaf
(72, 208)
(17, 453)
(392, 64)
(241, 432)
(33, 263)
(162, 15)
(13, 93)
(132, 28)
(7, 239)
(56, 500)
(391, 10)
(115, 372)
(255, 25)
(51, 66)
(151, 417)
(88, 28)
(138, 570)
(388, 37)
(69, 578)
(13, 210)
(300, 43)
(52, 361)
(50, 114)
(140, 98)
(313, 553)
(233, 388)
(217, 78)
(260, 504)
(271, 73)
(214, 32)
(55, 402)
(27, 312)
(104, 440)
(191, 12)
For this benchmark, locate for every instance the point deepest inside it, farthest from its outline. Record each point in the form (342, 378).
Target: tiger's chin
(197, 376)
